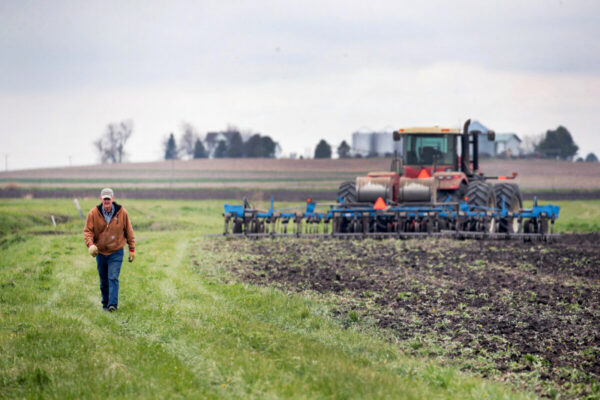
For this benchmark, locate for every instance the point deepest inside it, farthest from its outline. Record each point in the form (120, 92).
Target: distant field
(286, 174)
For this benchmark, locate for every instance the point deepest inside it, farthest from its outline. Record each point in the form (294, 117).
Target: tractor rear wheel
(480, 193)
(512, 202)
(347, 192)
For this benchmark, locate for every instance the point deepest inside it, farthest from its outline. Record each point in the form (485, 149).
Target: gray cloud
(302, 70)
(52, 45)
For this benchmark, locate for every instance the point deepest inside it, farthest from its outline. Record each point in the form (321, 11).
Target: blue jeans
(109, 268)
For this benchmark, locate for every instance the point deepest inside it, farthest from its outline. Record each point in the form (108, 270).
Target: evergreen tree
(260, 146)
(236, 145)
(323, 150)
(221, 150)
(269, 147)
(591, 158)
(170, 148)
(557, 143)
(343, 150)
(253, 147)
(199, 150)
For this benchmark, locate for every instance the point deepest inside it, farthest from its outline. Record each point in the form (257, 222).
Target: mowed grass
(179, 332)
(579, 216)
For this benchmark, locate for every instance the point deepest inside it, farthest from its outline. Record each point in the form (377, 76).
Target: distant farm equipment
(429, 190)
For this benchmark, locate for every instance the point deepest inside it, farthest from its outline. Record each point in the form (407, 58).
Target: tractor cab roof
(434, 130)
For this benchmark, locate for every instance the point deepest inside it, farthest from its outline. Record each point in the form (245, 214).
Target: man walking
(107, 228)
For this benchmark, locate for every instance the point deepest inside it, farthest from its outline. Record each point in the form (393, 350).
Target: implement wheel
(512, 202)
(347, 192)
(238, 226)
(537, 225)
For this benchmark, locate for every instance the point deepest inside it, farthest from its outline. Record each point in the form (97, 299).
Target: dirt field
(280, 174)
(524, 312)
(251, 194)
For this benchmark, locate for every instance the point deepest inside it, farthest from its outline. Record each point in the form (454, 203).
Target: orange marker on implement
(380, 204)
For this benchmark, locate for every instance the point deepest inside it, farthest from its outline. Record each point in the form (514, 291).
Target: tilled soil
(530, 310)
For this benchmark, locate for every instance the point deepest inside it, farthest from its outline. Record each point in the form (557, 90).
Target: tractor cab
(424, 149)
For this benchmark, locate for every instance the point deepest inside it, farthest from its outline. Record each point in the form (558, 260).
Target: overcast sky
(297, 71)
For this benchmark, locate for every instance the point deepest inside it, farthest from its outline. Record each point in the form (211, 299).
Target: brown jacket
(108, 238)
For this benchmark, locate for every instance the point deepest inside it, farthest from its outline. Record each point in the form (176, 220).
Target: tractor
(430, 190)
(431, 171)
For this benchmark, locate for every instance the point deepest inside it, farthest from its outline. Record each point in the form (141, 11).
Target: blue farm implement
(459, 220)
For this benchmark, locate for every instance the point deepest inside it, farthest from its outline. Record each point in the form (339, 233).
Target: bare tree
(187, 141)
(111, 145)
(531, 142)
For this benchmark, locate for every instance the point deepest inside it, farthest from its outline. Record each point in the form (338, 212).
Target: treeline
(323, 150)
(555, 144)
(230, 143)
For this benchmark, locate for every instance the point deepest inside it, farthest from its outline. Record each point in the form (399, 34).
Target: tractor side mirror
(396, 136)
(491, 136)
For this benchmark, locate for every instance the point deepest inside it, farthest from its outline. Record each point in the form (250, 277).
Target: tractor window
(422, 149)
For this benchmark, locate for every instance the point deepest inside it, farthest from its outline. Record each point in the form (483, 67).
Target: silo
(361, 143)
(385, 144)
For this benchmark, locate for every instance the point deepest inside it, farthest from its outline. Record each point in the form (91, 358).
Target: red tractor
(431, 172)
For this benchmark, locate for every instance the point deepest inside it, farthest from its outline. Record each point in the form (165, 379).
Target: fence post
(78, 208)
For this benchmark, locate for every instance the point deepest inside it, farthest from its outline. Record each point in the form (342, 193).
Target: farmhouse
(505, 145)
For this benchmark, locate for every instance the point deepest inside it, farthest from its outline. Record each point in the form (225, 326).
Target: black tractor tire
(347, 192)
(513, 203)
(480, 193)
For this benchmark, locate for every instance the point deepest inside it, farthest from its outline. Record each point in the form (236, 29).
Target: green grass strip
(181, 333)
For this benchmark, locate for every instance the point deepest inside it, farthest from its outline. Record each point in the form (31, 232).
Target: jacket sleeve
(129, 236)
(88, 230)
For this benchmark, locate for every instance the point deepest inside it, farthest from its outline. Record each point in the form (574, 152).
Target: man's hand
(131, 256)
(93, 250)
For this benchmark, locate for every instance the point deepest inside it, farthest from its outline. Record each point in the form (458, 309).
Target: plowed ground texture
(523, 312)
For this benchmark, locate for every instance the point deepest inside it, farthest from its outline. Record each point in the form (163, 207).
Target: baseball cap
(107, 193)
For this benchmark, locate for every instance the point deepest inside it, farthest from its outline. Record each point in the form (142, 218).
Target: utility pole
(172, 171)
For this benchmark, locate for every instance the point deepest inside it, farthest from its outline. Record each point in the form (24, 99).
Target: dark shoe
(112, 308)
(104, 308)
